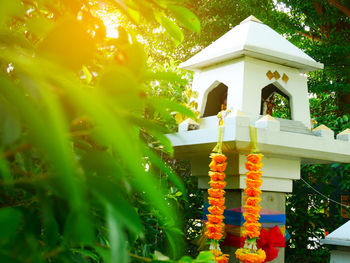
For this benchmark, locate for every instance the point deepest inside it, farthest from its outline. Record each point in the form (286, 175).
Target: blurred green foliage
(84, 170)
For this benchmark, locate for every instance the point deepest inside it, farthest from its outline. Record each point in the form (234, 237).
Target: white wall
(255, 80)
(245, 78)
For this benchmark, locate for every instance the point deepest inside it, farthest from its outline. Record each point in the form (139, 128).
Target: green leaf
(5, 171)
(163, 103)
(69, 43)
(11, 129)
(188, 19)
(136, 58)
(101, 163)
(105, 253)
(87, 74)
(159, 256)
(79, 228)
(186, 259)
(108, 191)
(121, 86)
(133, 15)
(205, 256)
(11, 8)
(167, 76)
(175, 239)
(156, 160)
(9, 222)
(117, 238)
(40, 26)
(86, 253)
(172, 28)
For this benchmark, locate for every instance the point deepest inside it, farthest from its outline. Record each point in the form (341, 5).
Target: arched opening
(216, 100)
(275, 102)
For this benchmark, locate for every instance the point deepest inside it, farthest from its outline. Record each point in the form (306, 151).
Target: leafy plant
(79, 156)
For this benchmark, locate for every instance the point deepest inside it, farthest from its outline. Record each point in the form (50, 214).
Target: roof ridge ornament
(251, 18)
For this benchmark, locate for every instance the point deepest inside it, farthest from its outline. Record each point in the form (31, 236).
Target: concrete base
(270, 200)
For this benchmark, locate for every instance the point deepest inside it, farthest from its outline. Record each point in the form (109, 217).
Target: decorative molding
(277, 75)
(285, 78)
(270, 75)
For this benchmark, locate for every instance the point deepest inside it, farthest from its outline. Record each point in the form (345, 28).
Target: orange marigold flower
(216, 201)
(251, 218)
(222, 259)
(217, 176)
(217, 157)
(217, 184)
(216, 210)
(216, 253)
(252, 226)
(253, 183)
(247, 256)
(251, 191)
(254, 174)
(215, 219)
(252, 209)
(216, 192)
(249, 200)
(219, 257)
(217, 167)
(214, 235)
(215, 227)
(251, 233)
(254, 158)
(253, 166)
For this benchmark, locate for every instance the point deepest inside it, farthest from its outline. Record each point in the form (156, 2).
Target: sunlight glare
(111, 20)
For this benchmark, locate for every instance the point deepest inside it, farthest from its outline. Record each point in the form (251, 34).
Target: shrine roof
(255, 39)
(340, 236)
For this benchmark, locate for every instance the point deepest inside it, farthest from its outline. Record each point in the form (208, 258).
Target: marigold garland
(245, 255)
(215, 226)
(249, 253)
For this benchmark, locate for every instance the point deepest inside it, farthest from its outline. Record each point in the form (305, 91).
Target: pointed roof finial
(251, 18)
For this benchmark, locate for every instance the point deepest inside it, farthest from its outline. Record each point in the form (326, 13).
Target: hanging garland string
(250, 253)
(215, 225)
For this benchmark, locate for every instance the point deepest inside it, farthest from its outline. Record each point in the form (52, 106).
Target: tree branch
(342, 8)
(20, 148)
(143, 259)
(312, 37)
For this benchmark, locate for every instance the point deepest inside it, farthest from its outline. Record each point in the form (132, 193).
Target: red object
(233, 241)
(268, 240)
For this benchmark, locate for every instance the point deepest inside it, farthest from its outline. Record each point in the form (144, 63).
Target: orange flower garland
(215, 226)
(249, 253)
